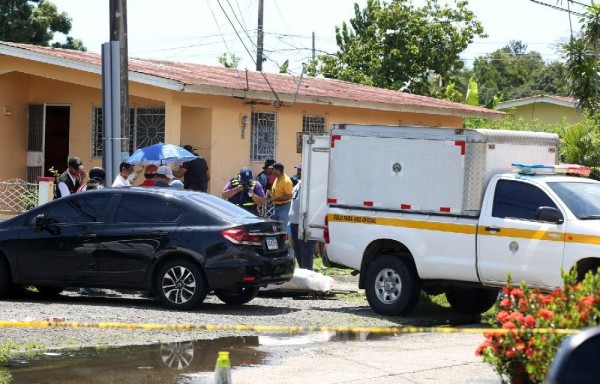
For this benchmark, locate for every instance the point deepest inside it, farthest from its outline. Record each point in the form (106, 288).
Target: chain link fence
(17, 196)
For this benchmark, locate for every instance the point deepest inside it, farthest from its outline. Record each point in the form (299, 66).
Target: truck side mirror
(549, 214)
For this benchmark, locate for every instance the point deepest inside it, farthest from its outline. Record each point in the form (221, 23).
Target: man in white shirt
(125, 175)
(71, 179)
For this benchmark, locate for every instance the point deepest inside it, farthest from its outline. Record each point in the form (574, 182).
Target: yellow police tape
(291, 329)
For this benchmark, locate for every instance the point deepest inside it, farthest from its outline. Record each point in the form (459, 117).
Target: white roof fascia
(138, 77)
(535, 100)
(267, 95)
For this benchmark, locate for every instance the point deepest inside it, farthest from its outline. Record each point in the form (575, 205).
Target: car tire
(180, 285)
(392, 286)
(5, 280)
(49, 292)
(472, 301)
(237, 296)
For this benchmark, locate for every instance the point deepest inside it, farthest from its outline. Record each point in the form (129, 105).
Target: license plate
(272, 243)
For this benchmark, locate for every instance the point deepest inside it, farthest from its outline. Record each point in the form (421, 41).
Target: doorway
(48, 139)
(56, 138)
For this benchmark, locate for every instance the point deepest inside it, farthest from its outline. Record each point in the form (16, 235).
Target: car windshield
(219, 207)
(583, 199)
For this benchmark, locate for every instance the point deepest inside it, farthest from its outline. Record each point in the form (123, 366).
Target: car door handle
(492, 229)
(87, 236)
(159, 233)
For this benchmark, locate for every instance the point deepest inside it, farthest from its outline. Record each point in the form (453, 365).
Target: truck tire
(472, 301)
(392, 286)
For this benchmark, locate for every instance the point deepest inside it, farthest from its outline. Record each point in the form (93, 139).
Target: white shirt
(295, 206)
(120, 181)
(64, 190)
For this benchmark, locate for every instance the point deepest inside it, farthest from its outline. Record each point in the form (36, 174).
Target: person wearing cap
(296, 178)
(266, 178)
(244, 191)
(125, 175)
(195, 173)
(71, 179)
(149, 175)
(164, 175)
(281, 194)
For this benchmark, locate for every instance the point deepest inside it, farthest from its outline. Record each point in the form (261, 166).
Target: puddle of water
(169, 363)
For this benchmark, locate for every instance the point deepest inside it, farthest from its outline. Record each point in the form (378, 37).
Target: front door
(512, 241)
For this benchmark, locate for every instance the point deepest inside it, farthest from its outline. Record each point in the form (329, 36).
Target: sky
(198, 30)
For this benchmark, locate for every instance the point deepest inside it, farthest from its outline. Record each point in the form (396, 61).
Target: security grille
(147, 127)
(262, 137)
(310, 124)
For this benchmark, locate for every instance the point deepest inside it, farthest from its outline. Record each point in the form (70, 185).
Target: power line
(558, 8)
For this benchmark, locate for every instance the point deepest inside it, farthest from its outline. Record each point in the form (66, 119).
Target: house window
(262, 137)
(147, 127)
(310, 124)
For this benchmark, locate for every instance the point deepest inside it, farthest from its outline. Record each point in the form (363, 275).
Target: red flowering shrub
(526, 350)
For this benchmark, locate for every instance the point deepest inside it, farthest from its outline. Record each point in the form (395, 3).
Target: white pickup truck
(445, 211)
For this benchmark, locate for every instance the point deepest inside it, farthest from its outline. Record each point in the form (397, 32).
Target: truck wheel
(180, 285)
(237, 296)
(472, 301)
(5, 282)
(392, 287)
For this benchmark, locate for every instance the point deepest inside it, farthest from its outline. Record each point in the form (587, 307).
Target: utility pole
(118, 32)
(259, 42)
(313, 46)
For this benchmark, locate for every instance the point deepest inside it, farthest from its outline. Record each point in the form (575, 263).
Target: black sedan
(177, 245)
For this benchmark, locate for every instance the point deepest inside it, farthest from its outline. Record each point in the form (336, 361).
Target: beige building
(50, 109)
(546, 108)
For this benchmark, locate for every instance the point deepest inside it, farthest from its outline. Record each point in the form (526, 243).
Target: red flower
(507, 289)
(502, 316)
(529, 321)
(546, 313)
(516, 316)
(509, 353)
(523, 305)
(517, 293)
(587, 301)
(505, 303)
(509, 325)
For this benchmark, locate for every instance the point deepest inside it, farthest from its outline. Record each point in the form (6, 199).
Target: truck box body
(426, 169)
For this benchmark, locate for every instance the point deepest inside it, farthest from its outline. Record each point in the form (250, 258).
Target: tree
(231, 61)
(517, 73)
(399, 46)
(35, 22)
(582, 60)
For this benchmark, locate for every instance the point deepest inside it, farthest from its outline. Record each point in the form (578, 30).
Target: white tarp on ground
(305, 280)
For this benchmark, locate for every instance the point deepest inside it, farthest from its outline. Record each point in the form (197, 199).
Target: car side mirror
(549, 214)
(40, 222)
(577, 359)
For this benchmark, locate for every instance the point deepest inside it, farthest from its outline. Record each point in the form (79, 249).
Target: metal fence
(18, 195)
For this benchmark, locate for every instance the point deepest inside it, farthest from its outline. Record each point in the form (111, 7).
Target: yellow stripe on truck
(466, 229)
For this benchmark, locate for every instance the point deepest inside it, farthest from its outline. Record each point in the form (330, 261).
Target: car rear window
(218, 207)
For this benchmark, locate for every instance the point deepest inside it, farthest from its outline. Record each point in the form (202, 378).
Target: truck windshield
(583, 199)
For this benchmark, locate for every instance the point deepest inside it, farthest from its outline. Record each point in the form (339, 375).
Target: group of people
(273, 186)
(195, 174)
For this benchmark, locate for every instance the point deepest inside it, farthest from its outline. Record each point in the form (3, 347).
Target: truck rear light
(240, 236)
(326, 231)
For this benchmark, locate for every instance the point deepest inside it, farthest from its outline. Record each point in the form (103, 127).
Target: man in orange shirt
(281, 195)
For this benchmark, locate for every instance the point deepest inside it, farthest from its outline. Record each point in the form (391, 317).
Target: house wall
(212, 123)
(13, 126)
(549, 113)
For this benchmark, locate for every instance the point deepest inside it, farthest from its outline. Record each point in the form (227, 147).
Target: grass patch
(319, 267)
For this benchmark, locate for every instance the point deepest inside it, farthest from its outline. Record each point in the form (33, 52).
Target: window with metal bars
(262, 136)
(310, 124)
(147, 127)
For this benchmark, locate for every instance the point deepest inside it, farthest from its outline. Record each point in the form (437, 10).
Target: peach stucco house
(50, 109)
(546, 108)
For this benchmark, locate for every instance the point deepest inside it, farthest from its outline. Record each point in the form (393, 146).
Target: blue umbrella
(159, 154)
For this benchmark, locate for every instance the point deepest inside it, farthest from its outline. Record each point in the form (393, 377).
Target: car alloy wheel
(180, 285)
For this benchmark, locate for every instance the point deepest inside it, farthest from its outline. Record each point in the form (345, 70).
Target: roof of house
(562, 101)
(198, 78)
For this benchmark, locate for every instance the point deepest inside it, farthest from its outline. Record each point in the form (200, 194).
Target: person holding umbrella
(195, 173)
